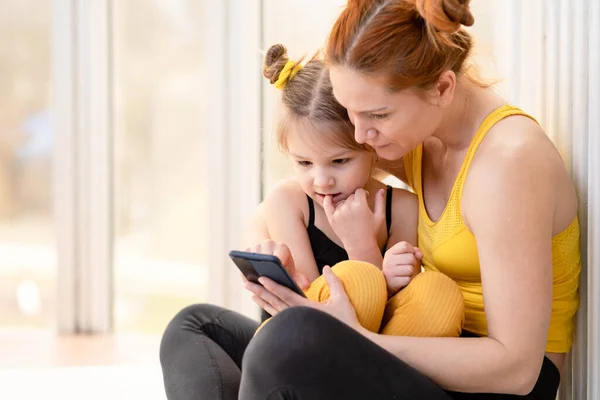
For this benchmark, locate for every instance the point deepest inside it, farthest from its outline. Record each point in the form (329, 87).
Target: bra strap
(388, 208)
(311, 211)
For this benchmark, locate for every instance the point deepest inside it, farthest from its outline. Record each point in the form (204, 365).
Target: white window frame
(235, 152)
(83, 164)
(83, 195)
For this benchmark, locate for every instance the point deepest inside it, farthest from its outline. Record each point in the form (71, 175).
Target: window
(27, 239)
(161, 198)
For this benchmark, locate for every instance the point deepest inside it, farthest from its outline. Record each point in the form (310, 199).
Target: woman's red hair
(411, 41)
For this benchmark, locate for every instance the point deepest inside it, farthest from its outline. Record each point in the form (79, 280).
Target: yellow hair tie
(290, 70)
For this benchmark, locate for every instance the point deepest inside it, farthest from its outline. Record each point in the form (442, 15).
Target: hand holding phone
(255, 265)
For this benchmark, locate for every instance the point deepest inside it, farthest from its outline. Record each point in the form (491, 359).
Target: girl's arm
(402, 260)
(255, 230)
(284, 211)
(405, 217)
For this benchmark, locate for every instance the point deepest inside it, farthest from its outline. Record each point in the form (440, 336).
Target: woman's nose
(360, 132)
(364, 134)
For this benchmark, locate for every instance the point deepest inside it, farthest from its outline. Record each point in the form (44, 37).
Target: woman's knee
(289, 338)
(191, 318)
(194, 316)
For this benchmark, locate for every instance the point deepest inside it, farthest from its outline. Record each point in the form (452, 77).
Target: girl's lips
(336, 197)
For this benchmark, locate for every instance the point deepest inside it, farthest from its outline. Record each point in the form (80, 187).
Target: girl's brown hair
(411, 41)
(308, 99)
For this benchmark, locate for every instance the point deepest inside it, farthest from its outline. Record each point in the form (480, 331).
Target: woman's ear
(444, 89)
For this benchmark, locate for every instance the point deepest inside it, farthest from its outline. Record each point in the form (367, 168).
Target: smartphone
(255, 265)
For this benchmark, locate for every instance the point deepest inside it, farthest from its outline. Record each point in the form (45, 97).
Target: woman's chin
(391, 152)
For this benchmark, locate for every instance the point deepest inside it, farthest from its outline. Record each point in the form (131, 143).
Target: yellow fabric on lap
(431, 305)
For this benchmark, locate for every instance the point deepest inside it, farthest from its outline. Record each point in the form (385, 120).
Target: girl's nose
(323, 180)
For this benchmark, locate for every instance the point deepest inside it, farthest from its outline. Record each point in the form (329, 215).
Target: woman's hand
(352, 219)
(400, 264)
(282, 252)
(275, 298)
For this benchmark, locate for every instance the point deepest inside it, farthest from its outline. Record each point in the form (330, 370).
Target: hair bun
(274, 61)
(446, 15)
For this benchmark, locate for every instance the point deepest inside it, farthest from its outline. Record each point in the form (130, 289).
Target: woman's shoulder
(517, 159)
(514, 140)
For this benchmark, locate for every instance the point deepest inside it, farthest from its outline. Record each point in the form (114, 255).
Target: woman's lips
(383, 146)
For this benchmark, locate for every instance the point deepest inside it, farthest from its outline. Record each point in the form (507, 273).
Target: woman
(498, 214)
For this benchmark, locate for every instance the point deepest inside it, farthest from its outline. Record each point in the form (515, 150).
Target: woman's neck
(462, 119)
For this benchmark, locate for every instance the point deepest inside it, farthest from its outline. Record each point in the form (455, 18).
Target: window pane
(27, 241)
(160, 194)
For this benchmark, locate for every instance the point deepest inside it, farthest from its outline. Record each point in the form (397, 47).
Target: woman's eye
(341, 160)
(379, 116)
(304, 163)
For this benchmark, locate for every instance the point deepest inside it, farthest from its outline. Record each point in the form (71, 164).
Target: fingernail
(262, 281)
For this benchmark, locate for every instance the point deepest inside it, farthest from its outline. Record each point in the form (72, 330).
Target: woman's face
(393, 123)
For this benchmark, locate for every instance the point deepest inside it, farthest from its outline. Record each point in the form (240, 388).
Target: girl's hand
(275, 298)
(282, 252)
(400, 264)
(353, 221)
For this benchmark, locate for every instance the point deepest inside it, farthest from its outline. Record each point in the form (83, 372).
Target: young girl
(333, 210)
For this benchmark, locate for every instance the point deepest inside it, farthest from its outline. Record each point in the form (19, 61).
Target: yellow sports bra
(449, 247)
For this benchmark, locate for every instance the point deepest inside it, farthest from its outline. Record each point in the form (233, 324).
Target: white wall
(549, 53)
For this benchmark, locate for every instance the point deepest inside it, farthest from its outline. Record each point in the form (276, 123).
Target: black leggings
(301, 354)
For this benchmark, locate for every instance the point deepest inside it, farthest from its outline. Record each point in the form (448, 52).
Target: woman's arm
(509, 207)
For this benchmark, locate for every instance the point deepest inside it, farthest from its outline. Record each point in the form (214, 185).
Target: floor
(35, 365)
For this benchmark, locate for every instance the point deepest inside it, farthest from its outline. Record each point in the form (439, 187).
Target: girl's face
(393, 123)
(324, 168)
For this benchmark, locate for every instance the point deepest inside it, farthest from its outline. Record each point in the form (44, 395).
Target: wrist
(366, 333)
(361, 246)
(392, 292)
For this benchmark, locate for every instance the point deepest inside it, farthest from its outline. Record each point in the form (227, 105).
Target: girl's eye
(379, 116)
(304, 163)
(341, 160)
